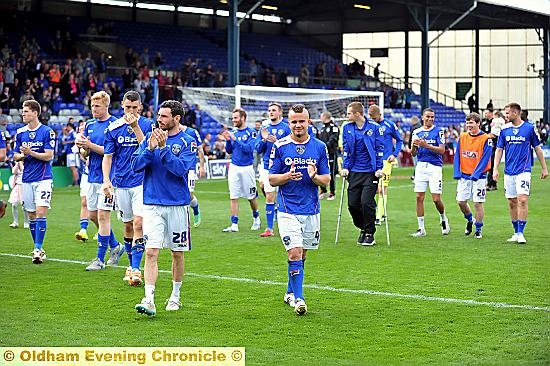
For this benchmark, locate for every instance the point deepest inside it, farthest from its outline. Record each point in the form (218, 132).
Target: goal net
(220, 102)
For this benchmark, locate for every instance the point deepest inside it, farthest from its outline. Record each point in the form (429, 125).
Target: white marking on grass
(498, 305)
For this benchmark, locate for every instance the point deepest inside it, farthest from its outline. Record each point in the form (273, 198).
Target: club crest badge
(32, 135)
(515, 131)
(176, 149)
(300, 149)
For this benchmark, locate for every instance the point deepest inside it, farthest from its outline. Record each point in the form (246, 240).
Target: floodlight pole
(233, 39)
(233, 46)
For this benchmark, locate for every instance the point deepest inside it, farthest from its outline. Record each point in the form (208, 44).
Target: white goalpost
(220, 102)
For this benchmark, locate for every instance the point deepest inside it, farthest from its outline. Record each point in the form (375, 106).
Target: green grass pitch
(432, 300)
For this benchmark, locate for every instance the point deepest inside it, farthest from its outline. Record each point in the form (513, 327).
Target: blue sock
(113, 243)
(296, 276)
(521, 226)
(289, 285)
(479, 226)
(255, 214)
(102, 245)
(128, 249)
(32, 228)
(469, 217)
(84, 224)
(270, 214)
(137, 253)
(235, 219)
(40, 232)
(515, 224)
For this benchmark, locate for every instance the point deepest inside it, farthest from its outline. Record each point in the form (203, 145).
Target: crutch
(340, 209)
(385, 210)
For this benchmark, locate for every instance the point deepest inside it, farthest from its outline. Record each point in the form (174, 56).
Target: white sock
(443, 216)
(194, 202)
(15, 212)
(150, 292)
(421, 222)
(175, 291)
(26, 214)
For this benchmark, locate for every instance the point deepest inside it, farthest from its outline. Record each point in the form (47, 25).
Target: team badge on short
(300, 149)
(176, 149)
(32, 135)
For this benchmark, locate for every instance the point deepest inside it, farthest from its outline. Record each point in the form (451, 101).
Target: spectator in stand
(145, 57)
(127, 80)
(283, 78)
(91, 83)
(490, 105)
(407, 96)
(5, 98)
(219, 147)
(129, 57)
(102, 67)
(303, 79)
(158, 61)
(45, 115)
(253, 69)
(54, 74)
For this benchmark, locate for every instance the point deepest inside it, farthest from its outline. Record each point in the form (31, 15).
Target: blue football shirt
(166, 170)
(435, 136)
(298, 197)
(95, 130)
(242, 149)
(517, 142)
(39, 140)
(121, 141)
(279, 130)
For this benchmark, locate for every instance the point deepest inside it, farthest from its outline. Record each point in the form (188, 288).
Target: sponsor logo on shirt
(32, 144)
(126, 139)
(299, 161)
(469, 154)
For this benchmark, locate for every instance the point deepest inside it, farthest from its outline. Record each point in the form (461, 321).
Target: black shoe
(469, 227)
(478, 235)
(369, 241)
(377, 222)
(361, 237)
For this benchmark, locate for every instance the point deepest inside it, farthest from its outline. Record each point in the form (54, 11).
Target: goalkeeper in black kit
(330, 134)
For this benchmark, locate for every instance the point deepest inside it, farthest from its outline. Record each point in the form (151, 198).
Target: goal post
(220, 102)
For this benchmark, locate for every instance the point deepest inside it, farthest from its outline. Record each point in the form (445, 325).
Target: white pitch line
(498, 305)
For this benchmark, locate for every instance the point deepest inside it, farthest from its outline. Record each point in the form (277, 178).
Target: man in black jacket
(330, 134)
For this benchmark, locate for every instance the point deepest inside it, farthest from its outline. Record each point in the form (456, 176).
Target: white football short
(299, 231)
(72, 159)
(96, 200)
(167, 227)
(470, 190)
(191, 178)
(84, 185)
(515, 185)
(129, 202)
(37, 194)
(426, 174)
(264, 178)
(241, 182)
